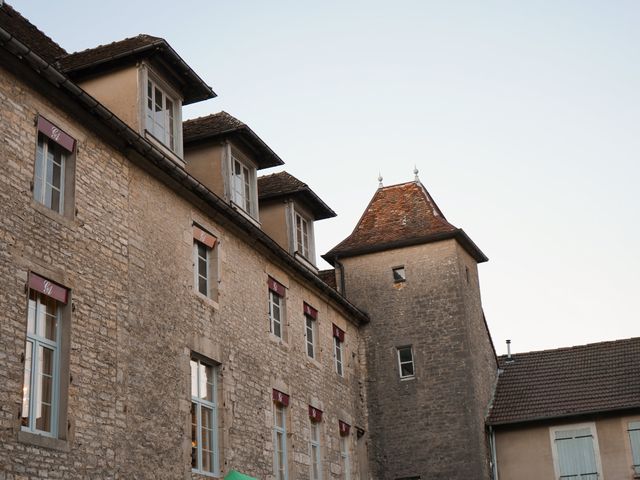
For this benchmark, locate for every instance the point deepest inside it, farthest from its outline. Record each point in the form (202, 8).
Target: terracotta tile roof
(329, 277)
(92, 60)
(400, 215)
(283, 184)
(19, 27)
(586, 379)
(222, 125)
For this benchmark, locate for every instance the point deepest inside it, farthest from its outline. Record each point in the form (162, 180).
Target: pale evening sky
(522, 117)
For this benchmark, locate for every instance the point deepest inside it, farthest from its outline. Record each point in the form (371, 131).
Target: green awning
(233, 475)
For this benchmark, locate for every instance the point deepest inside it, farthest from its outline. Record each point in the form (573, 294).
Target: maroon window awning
(281, 398)
(338, 333)
(345, 428)
(48, 288)
(315, 414)
(63, 139)
(276, 287)
(309, 310)
(204, 237)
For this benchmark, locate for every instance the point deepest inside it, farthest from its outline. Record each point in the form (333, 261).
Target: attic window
(399, 274)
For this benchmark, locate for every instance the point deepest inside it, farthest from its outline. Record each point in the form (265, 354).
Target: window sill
(279, 341)
(306, 262)
(210, 302)
(406, 379)
(245, 214)
(195, 474)
(43, 441)
(166, 150)
(314, 362)
(52, 215)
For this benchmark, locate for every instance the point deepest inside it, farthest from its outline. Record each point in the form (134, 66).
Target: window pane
(26, 389)
(45, 361)
(194, 432)
(48, 323)
(43, 418)
(31, 316)
(209, 380)
(202, 285)
(276, 329)
(207, 439)
(38, 193)
(194, 378)
(405, 354)
(407, 369)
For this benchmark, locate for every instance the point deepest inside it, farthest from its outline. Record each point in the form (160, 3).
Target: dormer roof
(88, 62)
(399, 216)
(220, 126)
(285, 185)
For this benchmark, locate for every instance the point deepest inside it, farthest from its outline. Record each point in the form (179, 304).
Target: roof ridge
(572, 347)
(13, 12)
(140, 35)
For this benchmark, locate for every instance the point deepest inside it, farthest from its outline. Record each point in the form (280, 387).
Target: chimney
(509, 357)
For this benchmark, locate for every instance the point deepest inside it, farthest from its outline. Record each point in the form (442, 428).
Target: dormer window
(243, 184)
(302, 236)
(161, 115)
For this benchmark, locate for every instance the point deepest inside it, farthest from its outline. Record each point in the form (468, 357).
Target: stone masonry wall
(127, 258)
(430, 426)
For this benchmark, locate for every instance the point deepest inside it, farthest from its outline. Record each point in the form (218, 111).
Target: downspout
(494, 456)
(343, 289)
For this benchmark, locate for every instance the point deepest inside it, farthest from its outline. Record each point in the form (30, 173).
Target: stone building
(164, 316)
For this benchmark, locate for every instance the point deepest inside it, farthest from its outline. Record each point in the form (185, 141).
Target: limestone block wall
(430, 426)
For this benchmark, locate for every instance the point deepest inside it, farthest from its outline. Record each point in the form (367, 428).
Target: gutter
(494, 455)
(165, 164)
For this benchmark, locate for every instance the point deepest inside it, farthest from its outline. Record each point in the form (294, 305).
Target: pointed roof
(87, 62)
(223, 125)
(564, 382)
(398, 216)
(283, 184)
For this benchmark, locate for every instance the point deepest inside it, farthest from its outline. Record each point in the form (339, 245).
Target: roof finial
(415, 172)
(379, 180)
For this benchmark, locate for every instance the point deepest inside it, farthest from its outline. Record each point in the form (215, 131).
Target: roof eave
(545, 418)
(320, 210)
(458, 234)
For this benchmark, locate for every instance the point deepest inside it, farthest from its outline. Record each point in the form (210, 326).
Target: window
(243, 184)
(345, 463)
(634, 438)
(53, 183)
(205, 263)
(280, 403)
(41, 388)
(399, 274)
(161, 114)
(311, 329)
(315, 452)
(302, 235)
(276, 308)
(405, 362)
(575, 452)
(204, 417)
(338, 340)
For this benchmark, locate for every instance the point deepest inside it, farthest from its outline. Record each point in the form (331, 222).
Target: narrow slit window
(405, 362)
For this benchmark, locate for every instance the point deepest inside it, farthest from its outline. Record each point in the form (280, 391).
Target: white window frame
(32, 395)
(244, 185)
(344, 457)
(596, 449)
(634, 443)
(279, 319)
(401, 363)
(43, 182)
(199, 404)
(315, 450)
(399, 274)
(338, 355)
(311, 336)
(281, 471)
(198, 274)
(305, 230)
(147, 75)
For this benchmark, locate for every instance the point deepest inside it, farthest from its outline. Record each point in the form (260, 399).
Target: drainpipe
(494, 456)
(343, 289)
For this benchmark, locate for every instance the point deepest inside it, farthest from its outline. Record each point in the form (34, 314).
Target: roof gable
(586, 379)
(399, 215)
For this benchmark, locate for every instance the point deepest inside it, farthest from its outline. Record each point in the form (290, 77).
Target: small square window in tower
(399, 274)
(405, 362)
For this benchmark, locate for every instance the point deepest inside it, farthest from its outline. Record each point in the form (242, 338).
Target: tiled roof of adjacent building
(92, 60)
(400, 215)
(283, 184)
(329, 277)
(221, 124)
(27, 33)
(586, 379)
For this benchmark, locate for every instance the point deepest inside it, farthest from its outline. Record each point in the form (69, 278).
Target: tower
(431, 364)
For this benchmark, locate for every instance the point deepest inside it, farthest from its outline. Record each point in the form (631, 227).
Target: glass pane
(207, 379)
(202, 250)
(43, 419)
(277, 331)
(202, 266)
(39, 170)
(48, 323)
(207, 439)
(45, 361)
(280, 416)
(194, 378)
(202, 285)
(31, 316)
(407, 369)
(194, 435)
(310, 351)
(26, 388)
(405, 354)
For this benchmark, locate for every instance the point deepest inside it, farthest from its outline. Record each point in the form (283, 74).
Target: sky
(523, 119)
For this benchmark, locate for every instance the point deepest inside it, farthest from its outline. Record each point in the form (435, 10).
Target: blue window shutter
(634, 438)
(576, 455)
